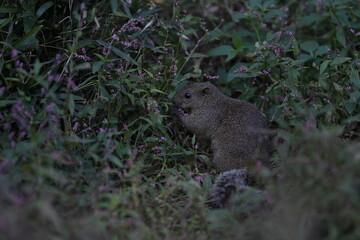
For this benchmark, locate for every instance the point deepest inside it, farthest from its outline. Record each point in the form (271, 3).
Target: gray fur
(236, 129)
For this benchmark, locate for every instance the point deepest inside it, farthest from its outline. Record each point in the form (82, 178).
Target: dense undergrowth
(89, 149)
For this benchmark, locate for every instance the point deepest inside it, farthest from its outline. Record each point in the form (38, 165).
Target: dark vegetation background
(89, 149)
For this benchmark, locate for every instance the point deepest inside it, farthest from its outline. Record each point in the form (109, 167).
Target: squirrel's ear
(206, 91)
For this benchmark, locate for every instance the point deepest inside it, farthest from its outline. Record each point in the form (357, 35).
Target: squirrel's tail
(226, 184)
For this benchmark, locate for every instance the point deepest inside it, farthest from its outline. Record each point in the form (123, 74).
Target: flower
(241, 70)
(50, 108)
(14, 53)
(265, 72)
(211, 77)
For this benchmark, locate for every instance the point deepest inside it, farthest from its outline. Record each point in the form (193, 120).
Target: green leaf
(340, 60)
(354, 97)
(4, 22)
(27, 37)
(198, 55)
(323, 66)
(154, 90)
(337, 87)
(43, 8)
(237, 42)
(354, 77)
(96, 66)
(309, 19)
(309, 46)
(221, 50)
(4, 103)
(71, 104)
(8, 9)
(350, 107)
(132, 98)
(114, 5)
(231, 55)
(1, 64)
(340, 36)
(117, 52)
(121, 14)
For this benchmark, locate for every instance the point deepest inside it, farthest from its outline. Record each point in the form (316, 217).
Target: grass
(89, 148)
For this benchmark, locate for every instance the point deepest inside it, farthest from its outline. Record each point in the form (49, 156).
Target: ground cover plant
(89, 148)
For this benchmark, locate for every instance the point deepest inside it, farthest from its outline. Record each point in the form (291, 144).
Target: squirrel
(236, 129)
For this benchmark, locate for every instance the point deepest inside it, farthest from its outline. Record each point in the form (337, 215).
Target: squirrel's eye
(187, 95)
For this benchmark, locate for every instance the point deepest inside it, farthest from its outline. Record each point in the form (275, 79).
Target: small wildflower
(115, 37)
(163, 139)
(264, 98)
(290, 34)
(105, 51)
(50, 108)
(14, 53)
(2, 90)
(72, 84)
(19, 64)
(157, 148)
(75, 127)
(265, 72)
(58, 58)
(83, 57)
(264, 25)
(241, 70)
(55, 78)
(6, 126)
(211, 77)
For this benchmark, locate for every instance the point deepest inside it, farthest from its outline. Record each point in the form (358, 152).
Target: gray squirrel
(236, 129)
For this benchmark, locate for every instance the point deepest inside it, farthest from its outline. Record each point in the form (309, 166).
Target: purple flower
(55, 78)
(264, 25)
(289, 33)
(264, 98)
(211, 77)
(75, 127)
(131, 25)
(58, 58)
(83, 57)
(105, 51)
(6, 126)
(19, 64)
(265, 72)
(14, 53)
(114, 36)
(50, 108)
(126, 44)
(72, 84)
(241, 69)
(2, 90)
